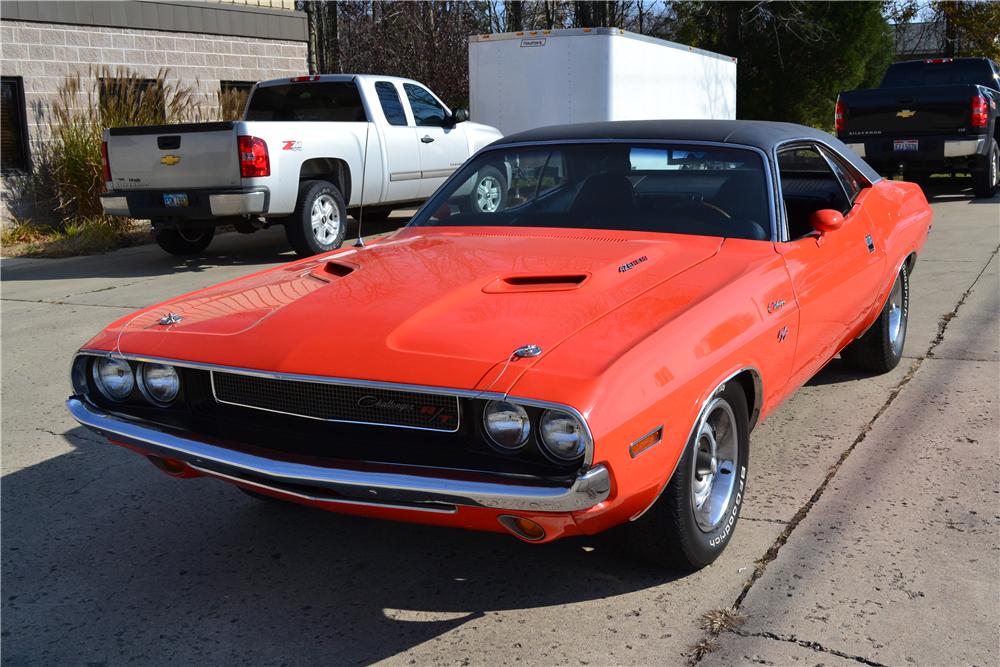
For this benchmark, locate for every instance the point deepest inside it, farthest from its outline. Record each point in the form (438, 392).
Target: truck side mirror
(826, 220)
(459, 116)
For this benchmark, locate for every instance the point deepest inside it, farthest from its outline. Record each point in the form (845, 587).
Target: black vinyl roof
(756, 133)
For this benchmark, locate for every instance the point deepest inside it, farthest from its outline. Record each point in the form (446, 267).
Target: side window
(427, 111)
(848, 179)
(392, 107)
(808, 185)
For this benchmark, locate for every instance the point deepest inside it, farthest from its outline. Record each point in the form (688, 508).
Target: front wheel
(693, 520)
(986, 181)
(881, 347)
(178, 241)
(318, 223)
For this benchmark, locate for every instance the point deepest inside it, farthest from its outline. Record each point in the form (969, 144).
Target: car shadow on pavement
(836, 372)
(107, 559)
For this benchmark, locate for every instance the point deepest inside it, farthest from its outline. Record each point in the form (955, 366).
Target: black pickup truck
(927, 117)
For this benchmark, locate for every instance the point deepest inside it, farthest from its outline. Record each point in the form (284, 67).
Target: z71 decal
(291, 145)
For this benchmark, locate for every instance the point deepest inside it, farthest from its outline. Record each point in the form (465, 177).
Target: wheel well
(749, 379)
(329, 169)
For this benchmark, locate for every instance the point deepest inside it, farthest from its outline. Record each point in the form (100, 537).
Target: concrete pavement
(860, 505)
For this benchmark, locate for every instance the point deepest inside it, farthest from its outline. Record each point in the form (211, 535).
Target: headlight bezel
(95, 372)
(548, 450)
(147, 393)
(526, 429)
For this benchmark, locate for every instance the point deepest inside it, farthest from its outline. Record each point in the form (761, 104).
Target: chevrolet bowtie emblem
(170, 160)
(905, 113)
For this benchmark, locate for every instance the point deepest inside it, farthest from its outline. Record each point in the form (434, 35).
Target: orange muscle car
(577, 332)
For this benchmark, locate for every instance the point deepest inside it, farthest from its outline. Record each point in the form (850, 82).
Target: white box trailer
(523, 80)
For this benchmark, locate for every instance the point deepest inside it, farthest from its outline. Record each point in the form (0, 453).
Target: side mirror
(459, 116)
(826, 220)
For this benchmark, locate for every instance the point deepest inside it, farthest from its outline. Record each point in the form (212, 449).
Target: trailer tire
(177, 241)
(319, 221)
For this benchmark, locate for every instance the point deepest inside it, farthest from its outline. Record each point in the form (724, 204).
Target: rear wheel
(881, 347)
(986, 181)
(693, 520)
(319, 222)
(489, 192)
(180, 241)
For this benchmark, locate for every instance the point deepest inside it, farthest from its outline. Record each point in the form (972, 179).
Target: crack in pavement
(69, 303)
(815, 646)
(114, 287)
(782, 539)
(749, 518)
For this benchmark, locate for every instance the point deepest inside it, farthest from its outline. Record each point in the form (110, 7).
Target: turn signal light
(254, 160)
(980, 116)
(645, 442)
(526, 529)
(105, 163)
(838, 115)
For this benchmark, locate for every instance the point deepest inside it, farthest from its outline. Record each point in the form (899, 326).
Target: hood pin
(526, 351)
(170, 318)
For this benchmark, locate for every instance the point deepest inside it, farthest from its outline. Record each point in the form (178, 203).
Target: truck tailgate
(195, 155)
(907, 111)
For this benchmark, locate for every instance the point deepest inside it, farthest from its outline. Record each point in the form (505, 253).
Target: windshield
(709, 191)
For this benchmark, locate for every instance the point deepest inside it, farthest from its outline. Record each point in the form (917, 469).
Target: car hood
(430, 307)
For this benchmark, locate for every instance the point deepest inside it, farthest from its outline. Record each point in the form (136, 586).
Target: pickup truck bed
(928, 117)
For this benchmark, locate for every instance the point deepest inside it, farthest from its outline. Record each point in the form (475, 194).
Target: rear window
(955, 72)
(329, 101)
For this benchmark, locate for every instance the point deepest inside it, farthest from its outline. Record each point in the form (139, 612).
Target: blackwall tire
(319, 221)
(880, 349)
(677, 532)
(177, 241)
(986, 181)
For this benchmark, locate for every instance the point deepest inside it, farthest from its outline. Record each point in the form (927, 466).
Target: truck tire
(880, 348)
(489, 194)
(985, 181)
(319, 222)
(179, 241)
(695, 516)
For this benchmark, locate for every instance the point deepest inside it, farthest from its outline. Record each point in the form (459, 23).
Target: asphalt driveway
(870, 533)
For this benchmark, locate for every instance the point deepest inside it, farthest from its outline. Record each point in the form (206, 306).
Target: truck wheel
(318, 223)
(694, 518)
(881, 347)
(985, 181)
(179, 241)
(489, 194)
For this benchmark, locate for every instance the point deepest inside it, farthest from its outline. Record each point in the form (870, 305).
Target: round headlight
(114, 378)
(507, 424)
(159, 383)
(562, 434)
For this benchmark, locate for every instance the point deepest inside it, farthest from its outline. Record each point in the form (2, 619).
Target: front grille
(338, 402)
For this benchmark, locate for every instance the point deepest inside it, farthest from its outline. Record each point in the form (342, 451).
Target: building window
(134, 101)
(14, 130)
(233, 97)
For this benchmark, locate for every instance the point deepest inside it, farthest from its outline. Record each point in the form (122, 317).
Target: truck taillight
(254, 160)
(980, 116)
(838, 115)
(105, 163)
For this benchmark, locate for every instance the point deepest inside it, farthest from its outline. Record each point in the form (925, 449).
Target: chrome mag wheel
(325, 219)
(713, 477)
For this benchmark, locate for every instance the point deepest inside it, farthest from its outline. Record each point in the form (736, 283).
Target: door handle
(427, 139)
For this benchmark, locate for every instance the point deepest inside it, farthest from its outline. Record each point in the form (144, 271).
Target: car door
(443, 148)
(402, 149)
(835, 274)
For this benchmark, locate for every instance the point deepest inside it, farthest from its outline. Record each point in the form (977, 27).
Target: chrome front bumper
(392, 489)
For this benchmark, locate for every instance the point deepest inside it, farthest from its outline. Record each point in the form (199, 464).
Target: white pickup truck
(308, 151)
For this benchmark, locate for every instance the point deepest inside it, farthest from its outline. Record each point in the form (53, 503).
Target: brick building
(208, 46)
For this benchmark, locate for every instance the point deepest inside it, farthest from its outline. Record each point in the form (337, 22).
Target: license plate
(175, 199)
(906, 145)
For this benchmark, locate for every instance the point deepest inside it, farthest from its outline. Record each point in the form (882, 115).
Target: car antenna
(360, 243)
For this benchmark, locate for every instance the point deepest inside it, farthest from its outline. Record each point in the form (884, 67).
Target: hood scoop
(330, 270)
(535, 282)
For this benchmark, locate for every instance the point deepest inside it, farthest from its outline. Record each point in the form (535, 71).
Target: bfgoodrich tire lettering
(675, 532)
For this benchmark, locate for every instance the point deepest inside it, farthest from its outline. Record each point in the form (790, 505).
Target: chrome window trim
(211, 380)
(588, 458)
(432, 204)
(782, 234)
